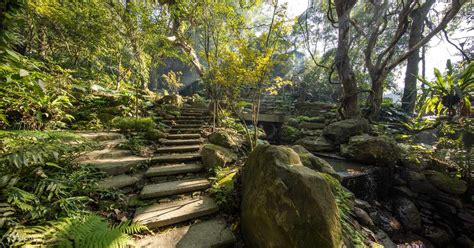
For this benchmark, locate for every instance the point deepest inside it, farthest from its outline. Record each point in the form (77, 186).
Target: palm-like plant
(449, 93)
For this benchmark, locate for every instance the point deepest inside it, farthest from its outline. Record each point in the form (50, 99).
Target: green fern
(87, 231)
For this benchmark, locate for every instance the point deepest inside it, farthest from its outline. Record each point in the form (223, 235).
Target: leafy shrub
(40, 180)
(129, 124)
(223, 188)
(81, 231)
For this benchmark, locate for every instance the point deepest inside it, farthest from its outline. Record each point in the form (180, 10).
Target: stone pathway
(175, 181)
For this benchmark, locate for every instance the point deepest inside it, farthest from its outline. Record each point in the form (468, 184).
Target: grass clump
(130, 124)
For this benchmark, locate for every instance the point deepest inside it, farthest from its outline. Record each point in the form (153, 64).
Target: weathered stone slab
(107, 154)
(210, 233)
(118, 182)
(176, 158)
(183, 136)
(100, 136)
(174, 188)
(181, 142)
(116, 166)
(163, 214)
(173, 169)
(178, 149)
(185, 130)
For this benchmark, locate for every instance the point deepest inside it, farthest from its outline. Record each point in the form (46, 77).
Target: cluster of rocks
(222, 149)
(424, 203)
(304, 126)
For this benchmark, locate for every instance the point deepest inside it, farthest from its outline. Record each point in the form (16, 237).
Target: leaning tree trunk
(350, 102)
(416, 33)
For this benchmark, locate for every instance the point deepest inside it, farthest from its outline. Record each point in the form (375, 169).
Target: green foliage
(449, 91)
(128, 124)
(223, 188)
(344, 202)
(79, 231)
(40, 180)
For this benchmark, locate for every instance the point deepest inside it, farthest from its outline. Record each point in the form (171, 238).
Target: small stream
(365, 181)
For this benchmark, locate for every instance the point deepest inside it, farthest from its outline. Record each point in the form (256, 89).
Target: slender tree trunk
(350, 101)
(416, 34)
(376, 96)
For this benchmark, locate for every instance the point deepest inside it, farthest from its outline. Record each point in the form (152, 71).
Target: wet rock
(375, 150)
(316, 144)
(386, 222)
(437, 235)
(465, 216)
(363, 205)
(384, 239)
(408, 214)
(464, 242)
(339, 132)
(428, 137)
(403, 191)
(363, 217)
(411, 176)
(450, 185)
(285, 204)
(444, 207)
(216, 156)
(311, 161)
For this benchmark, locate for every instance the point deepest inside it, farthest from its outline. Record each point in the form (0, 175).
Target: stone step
(178, 149)
(164, 214)
(184, 136)
(116, 166)
(100, 136)
(192, 118)
(173, 169)
(107, 153)
(120, 181)
(187, 126)
(192, 113)
(110, 144)
(181, 142)
(174, 188)
(173, 158)
(205, 234)
(185, 130)
(171, 122)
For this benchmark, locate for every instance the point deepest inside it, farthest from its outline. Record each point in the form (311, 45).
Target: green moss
(446, 183)
(133, 124)
(223, 189)
(344, 202)
(154, 134)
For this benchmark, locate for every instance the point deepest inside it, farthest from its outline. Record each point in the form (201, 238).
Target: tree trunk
(416, 33)
(376, 96)
(350, 101)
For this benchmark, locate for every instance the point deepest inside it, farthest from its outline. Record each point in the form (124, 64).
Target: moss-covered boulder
(339, 132)
(311, 161)
(154, 134)
(374, 150)
(285, 204)
(316, 144)
(446, 183)
(289, 134)
(216, 156)
(223, 138)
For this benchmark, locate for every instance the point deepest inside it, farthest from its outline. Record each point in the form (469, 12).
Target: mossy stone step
(172, 158)
(185, 130)
(164, 214)
(171, 122)
(174, 188)
(100, 136)
(183, 136)
(120, 181)
(209, 233)
(116, 166)
(178, 149)
(181, 142)
(173, 169)
(187, 126)
(107, 153)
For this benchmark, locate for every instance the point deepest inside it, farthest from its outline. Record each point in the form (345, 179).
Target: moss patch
(446, 183)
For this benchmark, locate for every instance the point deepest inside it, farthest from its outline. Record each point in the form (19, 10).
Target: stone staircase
(175, 183)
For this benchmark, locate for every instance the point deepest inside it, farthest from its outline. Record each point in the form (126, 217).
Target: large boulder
(222, 138)
(216, 156)
(315, 163)
(374, 150)
(316, 144)
(339, 132)
(285, 204)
